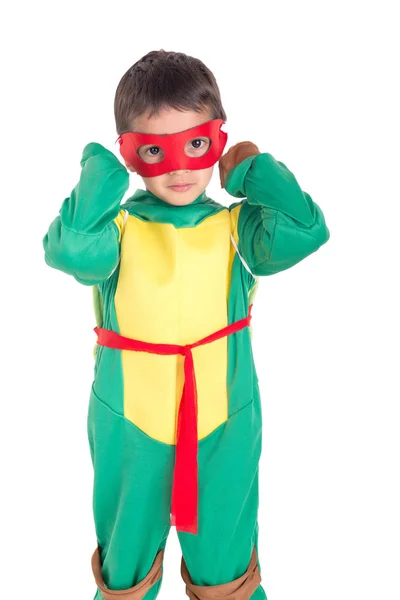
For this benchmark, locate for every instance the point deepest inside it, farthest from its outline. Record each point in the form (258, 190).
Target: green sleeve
(83, 240)
(279, 225)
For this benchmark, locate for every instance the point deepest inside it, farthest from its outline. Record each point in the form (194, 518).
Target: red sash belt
(185, 482)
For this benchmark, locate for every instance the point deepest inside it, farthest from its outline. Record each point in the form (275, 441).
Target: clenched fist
(235, 155)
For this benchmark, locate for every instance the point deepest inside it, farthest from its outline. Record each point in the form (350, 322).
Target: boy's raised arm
(84, 239)
(278, 224)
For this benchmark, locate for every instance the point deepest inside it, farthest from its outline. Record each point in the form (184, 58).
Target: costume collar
(148, 207)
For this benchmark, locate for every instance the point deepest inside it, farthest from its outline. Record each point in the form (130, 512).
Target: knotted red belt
(184, 513)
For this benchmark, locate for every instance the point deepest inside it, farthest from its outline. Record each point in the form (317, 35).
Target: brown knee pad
(136, 592)
(239, 589)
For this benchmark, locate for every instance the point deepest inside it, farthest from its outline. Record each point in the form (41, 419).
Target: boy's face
(172, 121)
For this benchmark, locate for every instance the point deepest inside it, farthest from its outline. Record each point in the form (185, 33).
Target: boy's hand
(235, 155)
(101, 155)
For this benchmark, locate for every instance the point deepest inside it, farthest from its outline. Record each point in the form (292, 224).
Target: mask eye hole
(197, 147)
(194, 148)
(151, 154)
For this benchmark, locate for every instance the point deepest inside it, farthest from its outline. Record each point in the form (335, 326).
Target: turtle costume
(174, 419)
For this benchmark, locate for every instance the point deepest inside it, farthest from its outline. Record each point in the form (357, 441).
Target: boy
(174, 421)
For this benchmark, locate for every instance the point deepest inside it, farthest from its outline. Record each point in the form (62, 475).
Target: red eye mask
(173, 146)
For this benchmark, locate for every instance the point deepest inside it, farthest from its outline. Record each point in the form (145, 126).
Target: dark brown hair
(162, 79)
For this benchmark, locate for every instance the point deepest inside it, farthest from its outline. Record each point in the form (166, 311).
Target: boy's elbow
(87, 273)
(321, 235)
(311, 242)
(314, 240)
(89, 260)
(290, 248)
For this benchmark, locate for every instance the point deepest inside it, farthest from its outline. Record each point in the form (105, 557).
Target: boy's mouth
(181, 187)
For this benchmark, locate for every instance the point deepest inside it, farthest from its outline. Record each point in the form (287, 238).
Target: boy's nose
(179, 171)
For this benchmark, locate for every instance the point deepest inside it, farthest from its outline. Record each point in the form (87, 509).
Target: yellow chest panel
(173, 288)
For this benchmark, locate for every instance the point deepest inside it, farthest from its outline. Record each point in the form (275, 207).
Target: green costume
(169, 274)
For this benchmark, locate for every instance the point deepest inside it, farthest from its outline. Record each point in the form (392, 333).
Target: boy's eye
(154, 150)
(151, 154)
(197, 146)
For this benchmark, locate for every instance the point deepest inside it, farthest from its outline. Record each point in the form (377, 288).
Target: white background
(314, 84)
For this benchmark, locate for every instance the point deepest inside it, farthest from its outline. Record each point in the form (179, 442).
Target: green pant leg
(228, 504)
(131, 497)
